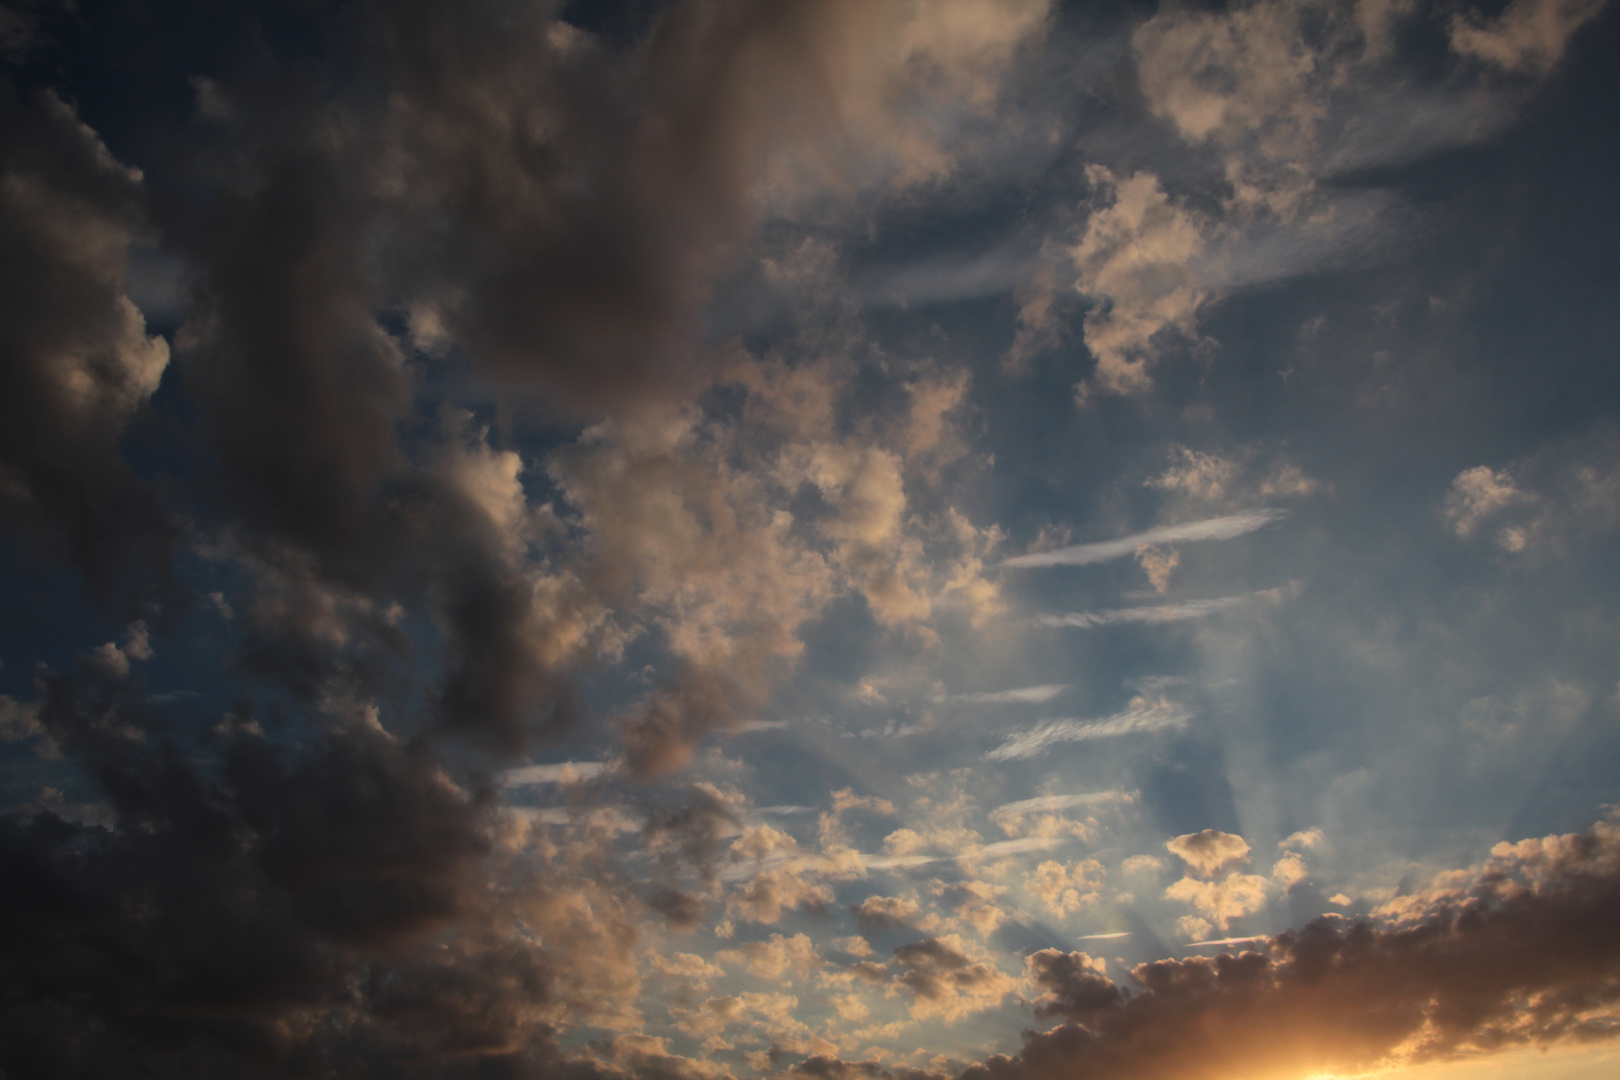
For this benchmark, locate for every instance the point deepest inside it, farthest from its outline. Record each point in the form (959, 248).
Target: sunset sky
(810, 539)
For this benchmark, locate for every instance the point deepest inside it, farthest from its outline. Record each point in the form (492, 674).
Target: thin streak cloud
(1161, 613)
(1142, 716)
(1035, 695)
(1157, 613)
(1221, 528)
(1047, 803)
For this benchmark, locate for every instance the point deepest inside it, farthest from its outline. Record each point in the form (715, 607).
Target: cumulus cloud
(945, 982)
(776, 957)
(1209, 476)
(1135, 257)
(1066, 889)
(1282, 95)
(1210, 851)
(1220, 901)
(76, 361)
(1476, 494)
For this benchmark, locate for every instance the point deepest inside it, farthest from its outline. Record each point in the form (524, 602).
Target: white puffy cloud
(1207, 853)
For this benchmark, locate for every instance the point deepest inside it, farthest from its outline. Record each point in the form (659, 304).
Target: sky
(810, 539)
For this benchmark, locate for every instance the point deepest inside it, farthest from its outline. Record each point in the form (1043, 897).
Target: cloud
(1159, 563)
(1134, 256)
(1543, 505)
(1476, 494)
(566, 772)
(1527, 36)
(946, 983)
(1143, 715)
(76, 362)
(1222, 901)
(1035, 695)
(1210, 851)
(1213, 477)
(886, 912)
(772, 959)
(1066, 889)
(1043, 817)
(769, 893)
(1160, 613)
(1521, 951)
(226, 905)
(1221, 528)
(1048, 803)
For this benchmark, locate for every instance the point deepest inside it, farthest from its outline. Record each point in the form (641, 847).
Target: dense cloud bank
(1521, 951)
(343, 909)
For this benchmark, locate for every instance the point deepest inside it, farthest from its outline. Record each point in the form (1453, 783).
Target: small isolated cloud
(1144, 714)
(1289, 870)
(1136, 259)
(1209, 852)
(1221, 528)
(1475, 495)
(1159, 563)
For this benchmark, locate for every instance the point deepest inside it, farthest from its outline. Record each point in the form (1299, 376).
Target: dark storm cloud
(515, 192)
(327, 911)
(75, 360)
(221, 908)
(1525, 952)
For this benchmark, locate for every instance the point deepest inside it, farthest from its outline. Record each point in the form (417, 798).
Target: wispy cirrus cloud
(1144, 714)
(1221, 528)
(1047, 803)
(1034, 695)
(1158, 613)
(1189, 609)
